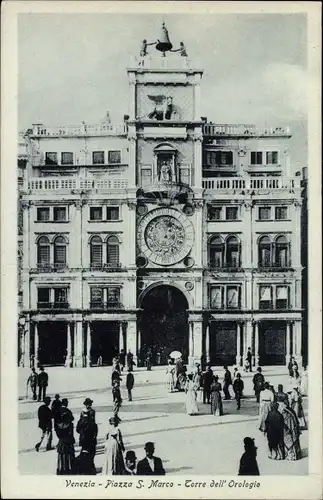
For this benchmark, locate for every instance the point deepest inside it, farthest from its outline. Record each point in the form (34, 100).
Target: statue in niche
(163, 107)
(165, 170)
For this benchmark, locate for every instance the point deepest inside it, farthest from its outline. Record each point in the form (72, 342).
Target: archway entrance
(164, 323)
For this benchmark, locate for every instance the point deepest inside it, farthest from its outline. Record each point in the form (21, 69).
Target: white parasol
(175, 355)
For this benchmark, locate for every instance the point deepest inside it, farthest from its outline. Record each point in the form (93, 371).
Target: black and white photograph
(162, 325)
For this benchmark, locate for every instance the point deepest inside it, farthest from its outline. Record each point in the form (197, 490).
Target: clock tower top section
(164, 85)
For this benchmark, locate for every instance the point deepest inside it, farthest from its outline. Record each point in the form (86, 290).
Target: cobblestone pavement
(201, 444)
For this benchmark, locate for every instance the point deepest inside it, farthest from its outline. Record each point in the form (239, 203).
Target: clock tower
(165, 134)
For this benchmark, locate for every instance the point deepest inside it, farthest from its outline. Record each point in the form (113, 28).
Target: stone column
(26, 349)
(69, 346)
(247, 339)
(36, 345)
(78, 346)
(121, 337)
(289, 326)
(195, 346)
(131, 336)
(256, 356)
(190, 342)
(238, 356)
(88, 344)
(207, 343)
(297, 337)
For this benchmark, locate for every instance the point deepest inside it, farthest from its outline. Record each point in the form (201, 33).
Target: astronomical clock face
(165, 236)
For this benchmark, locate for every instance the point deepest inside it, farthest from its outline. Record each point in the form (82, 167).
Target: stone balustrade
(103, 129)
(212, 129)
(73, 183)
(254, 183)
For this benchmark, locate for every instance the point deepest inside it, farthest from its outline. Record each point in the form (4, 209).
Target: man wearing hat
(130, 463)
(150, 465)
(248, 462)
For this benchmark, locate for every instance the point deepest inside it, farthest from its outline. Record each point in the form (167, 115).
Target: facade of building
(166, 232)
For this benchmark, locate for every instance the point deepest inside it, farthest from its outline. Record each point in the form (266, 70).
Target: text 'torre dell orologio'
(165, 236)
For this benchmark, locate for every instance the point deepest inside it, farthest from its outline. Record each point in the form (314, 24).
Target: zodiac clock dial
(165, 236)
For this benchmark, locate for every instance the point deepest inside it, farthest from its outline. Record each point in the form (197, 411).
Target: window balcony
(53, 305)
(109, 268)
(106, 306)
(219, 168)
(225, 268)
(50, 268)
(263, 268)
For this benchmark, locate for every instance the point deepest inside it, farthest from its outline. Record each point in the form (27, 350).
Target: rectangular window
(216, 297)
(114, 157)
(59, 214)
(95, 213)
(50, 158)
(281, 213)
(60, 255)
(184, 175)
(112, 213)
(215, 257)
(271, 157)
(43, 255)
(219, 158)
(113, 295)
(233, 297)
(67, 159)
(214, 213)
(256, 157)
(231, 213)
(264, 213)
(98, 157)
(96, 296)
(145, 177)
(265, 298)
(282, 297)
(42, 214)
(60, 296)
(43, 297)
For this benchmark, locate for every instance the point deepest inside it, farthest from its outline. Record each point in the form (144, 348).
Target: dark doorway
(223, 343)
(164, 323)
(104, 341)
(272, 343)
(52, 342)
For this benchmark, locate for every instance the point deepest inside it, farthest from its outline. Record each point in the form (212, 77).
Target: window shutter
(43, 254)
(112, 252)
(60, 254)
(96, 254)
(216, 297)
(265, 293)
(96, 294)
(282, 292)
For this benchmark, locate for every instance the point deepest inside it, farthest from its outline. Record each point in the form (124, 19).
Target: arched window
(113, 251)
(232, 252)
(281, 252)
(60, 251)
(265, 252)
(43, 251)
(216, 252)
(96, 251)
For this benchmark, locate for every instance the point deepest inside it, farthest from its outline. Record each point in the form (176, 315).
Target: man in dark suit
(150, 466)
(249, 358)
(45, 424)
(207, 381)
(42, 384)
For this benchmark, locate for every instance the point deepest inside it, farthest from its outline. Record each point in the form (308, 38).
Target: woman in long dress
(266, 398)
(291, 434)
(191, 395)
(170, 376)
(65, 447)
(216, 398)
(275, 433)
(295, 401)
(113, 464)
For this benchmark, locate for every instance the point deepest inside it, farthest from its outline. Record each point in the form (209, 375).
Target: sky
(72, 67)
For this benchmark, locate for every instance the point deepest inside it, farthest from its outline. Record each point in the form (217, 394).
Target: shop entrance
(164, 323)
(223, 343)
(52, 347)
(104, 341)
(272, 343)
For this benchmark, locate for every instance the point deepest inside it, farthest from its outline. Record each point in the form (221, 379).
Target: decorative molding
(248, 204)
(132, 205)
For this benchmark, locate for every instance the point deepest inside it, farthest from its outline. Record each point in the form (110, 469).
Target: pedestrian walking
(291, 365)
(274, 429)
(216, 398)
(117, 400)
(115, 376)
(291, 434)
(249, 358)
(130, 361)
(65, 447)
(148, 359)
(191, 396)
(42, 384)
(280, 396)
(130, 382)
(258, 383)
(207, 378)
(248, 463)
(266, 398)
(122, 359)
(150, 465)
(45, 424)
(32, 381)
(113, 464)
(88, 408)
(170, 376)
(296, 404)
(130, 463)
(88, 430)
(227, 381)
(56, 405)
(238, 387)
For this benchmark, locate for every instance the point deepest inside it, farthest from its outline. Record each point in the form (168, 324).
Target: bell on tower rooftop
(164, 43)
